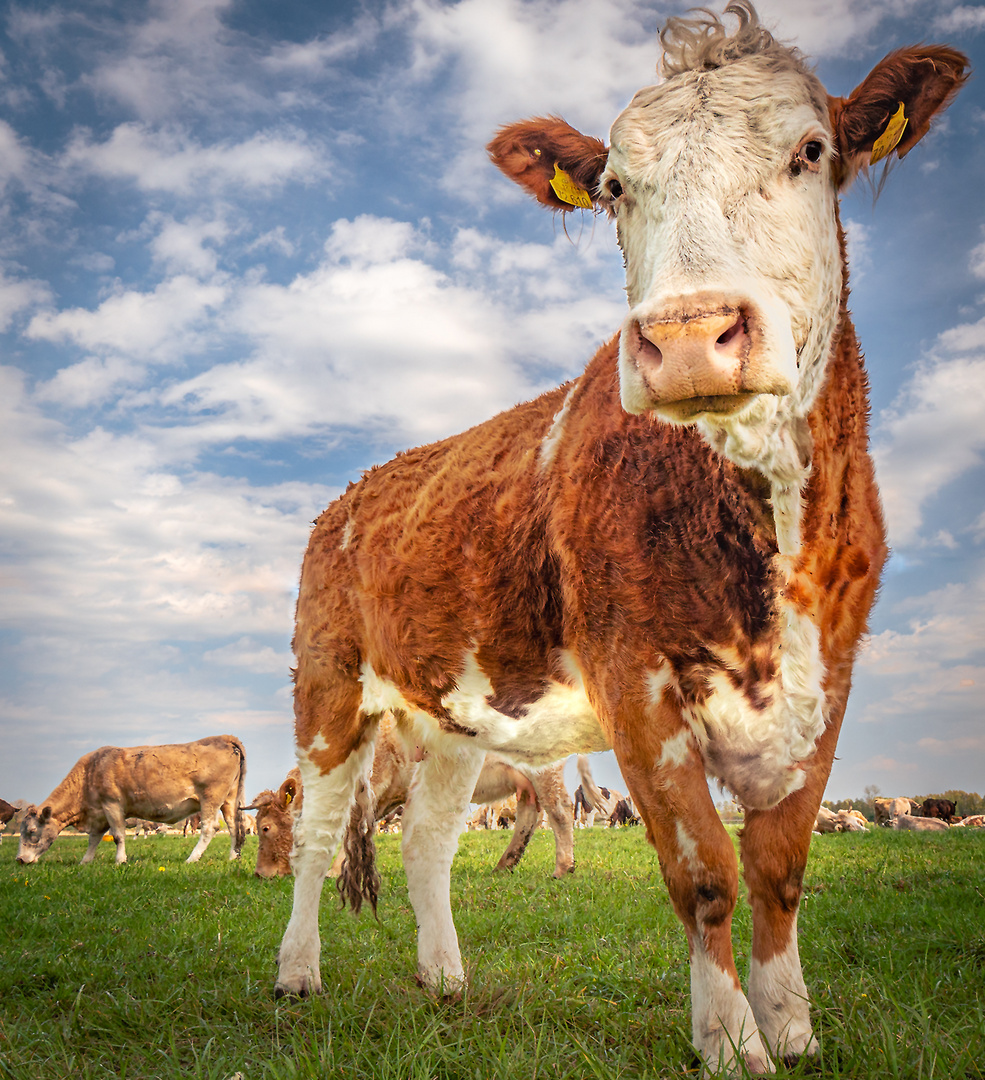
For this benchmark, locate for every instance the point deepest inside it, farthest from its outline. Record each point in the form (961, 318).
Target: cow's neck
(67, 801)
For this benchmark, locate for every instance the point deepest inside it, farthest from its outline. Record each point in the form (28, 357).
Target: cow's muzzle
(698, 355)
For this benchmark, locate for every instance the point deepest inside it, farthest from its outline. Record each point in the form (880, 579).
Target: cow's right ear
(555, 163)
(45, 815)
(892, 108)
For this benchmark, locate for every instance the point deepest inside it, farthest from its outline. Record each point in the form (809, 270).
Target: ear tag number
(568, 191)
(888, 140)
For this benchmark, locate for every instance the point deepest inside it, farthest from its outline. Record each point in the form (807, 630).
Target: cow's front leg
(667, 780)
(94, 840)
(209, 815)
(433, 819)
(117, 823)
(775, 844)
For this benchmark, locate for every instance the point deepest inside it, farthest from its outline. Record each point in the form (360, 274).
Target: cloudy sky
(247, 249)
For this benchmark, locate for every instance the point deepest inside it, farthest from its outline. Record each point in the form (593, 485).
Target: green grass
(159, 969)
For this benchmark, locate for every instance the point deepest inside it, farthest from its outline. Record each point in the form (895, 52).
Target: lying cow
(592, 801)
(974, 821)
(673, 556)
(920, 824)
(158, 783)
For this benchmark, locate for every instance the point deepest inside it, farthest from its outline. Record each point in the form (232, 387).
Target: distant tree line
(966, 802)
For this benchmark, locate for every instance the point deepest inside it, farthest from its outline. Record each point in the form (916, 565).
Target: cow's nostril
(735, 330)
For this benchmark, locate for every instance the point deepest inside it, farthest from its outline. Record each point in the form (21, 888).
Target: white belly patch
(559, 723)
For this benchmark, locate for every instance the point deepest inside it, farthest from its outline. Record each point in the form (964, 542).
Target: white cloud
(164, 325)
(246, 653)
(934, 432)
(181, 246)
(961, 20)
(169, 159)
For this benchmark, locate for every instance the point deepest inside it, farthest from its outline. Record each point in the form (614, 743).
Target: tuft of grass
(161, 969)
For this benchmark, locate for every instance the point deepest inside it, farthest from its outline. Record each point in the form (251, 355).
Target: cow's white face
(38, 833)
(721, 186)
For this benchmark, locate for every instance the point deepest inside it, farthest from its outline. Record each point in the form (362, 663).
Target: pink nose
(683, 355)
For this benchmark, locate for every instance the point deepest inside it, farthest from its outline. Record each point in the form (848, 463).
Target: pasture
(162, 969)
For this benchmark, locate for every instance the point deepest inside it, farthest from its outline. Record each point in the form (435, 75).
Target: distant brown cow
(939, 808)
(159, 783)
(6, 813)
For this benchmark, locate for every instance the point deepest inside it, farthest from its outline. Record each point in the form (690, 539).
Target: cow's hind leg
(434, 817)
(527, 820)
(666, 778)
(328, 800)
(210, 814)
(554, 797)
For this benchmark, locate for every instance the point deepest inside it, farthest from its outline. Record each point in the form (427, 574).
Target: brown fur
(276, 811)
(636, 549)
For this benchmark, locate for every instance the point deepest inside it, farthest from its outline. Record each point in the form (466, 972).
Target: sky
(249, 249)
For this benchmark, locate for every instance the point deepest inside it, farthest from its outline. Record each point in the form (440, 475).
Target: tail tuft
(359, 880)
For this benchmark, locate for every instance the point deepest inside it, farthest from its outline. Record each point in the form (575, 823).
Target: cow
(826, 821)
(673, 556)
(275, 813)
(920, 824)
(886, 811)
(395, 761)
(592, 801)
(852, 821)
(7, 812)
(158, 783)
(975, 821)
(624, 814)
(939, 808)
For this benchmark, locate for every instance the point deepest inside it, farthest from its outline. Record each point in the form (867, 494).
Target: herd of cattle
(147, 788)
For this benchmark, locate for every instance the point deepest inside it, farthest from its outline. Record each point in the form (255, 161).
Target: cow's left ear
(288, 793)
(555, 163)
(893, 108)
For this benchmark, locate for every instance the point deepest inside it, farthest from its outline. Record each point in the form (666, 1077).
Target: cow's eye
(613, 189)
(808, 156)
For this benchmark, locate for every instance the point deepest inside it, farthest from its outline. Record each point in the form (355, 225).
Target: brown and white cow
(886, 811)
(592, 801)
(673, 556)
(158, 783)
(275, 814)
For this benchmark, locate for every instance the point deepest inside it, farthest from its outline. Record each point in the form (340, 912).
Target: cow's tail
(359, 880)
(239, 818)
(593, 797)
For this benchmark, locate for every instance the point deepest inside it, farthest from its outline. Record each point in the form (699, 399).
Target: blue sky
(249, 249)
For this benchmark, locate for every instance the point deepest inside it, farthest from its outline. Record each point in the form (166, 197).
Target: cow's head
(38, 832)
(723, 182)
(275, 829)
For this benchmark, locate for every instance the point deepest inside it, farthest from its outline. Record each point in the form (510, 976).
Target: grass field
(159, 969)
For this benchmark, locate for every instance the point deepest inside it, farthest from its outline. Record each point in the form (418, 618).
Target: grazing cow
(920, 824)
(886, 811)
(938, 808)
(275, 814)
(7, 812)
(624, 814)
(673, 556)
(159, 783)
(592, 801)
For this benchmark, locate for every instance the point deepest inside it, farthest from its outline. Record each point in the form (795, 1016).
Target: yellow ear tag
(888, 140)
(568, 191)
(290, 797)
